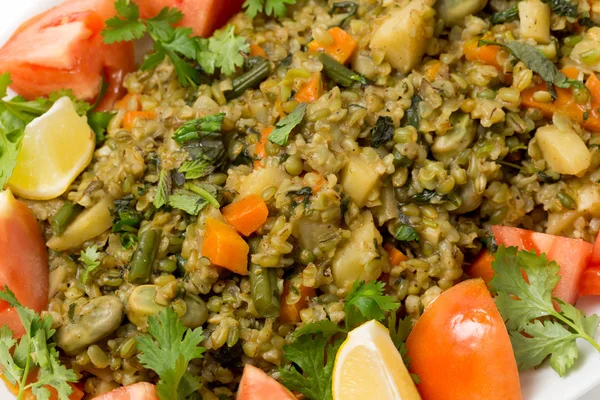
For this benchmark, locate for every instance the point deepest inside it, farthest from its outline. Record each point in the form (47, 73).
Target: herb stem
(22, 386)
(198, 190)
(580, 333)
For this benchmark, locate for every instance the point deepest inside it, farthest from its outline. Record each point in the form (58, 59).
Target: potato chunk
(563, 149)
(261, 179)
(535, 20)
(359, 178)
(453, 12)
(359, 257)
(404, 35)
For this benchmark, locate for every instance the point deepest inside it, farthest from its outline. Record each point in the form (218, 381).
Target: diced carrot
(259, 150)
(311, 90)
(131, 102)
(482, 266)
(395, 256)
(256, 50)
(432, 69)
(340, 50)
(131, 116)
(247, 215)
(489, 55)
(225, 247)
(585, 114)
(290, 313)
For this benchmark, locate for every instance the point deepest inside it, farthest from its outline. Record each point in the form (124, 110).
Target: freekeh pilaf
(364, 140)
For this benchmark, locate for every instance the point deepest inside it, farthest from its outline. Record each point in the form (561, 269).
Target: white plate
(541, 384)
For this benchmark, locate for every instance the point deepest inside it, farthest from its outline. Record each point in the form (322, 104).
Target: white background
(538, 385)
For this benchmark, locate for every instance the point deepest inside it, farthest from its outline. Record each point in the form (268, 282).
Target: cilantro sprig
(167, 349)
(36, 349)
(313, 351)
(223, 51)
(283, 128)
(527, 308)
(90, 258)
(276, 8)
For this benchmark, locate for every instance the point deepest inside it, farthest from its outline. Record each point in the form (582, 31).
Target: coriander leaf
(284, 127)
(182, 43)
(163, 190)
(53, 374)
(125, 26)
(276, 8)
(197, 128)
(538, 63)
(383, 131)
(406, 233)
(310, 375)
(533, 299)
(90, 258)
(187, 201)
(366, 301)
(227, 49)
(10, 369)
(508, 15)
(399, 331)
(324, 327)
(167, 349)
(547, 339)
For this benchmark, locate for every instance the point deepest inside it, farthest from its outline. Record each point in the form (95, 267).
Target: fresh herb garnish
(163, 190)
(283, 128)
(197, 128)
(222, 51)
(208, 192)
(275, 8)
(399, 332)
(523, 302)
(383, 131)
(90, 258)
(508, 15)
(538, 63)
(167, 349)
(366, 301)
(127, 219)
(406, 233)
(188, 201)
(36, 349)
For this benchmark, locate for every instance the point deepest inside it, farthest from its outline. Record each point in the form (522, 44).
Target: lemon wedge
(368, 366)
(56, 148)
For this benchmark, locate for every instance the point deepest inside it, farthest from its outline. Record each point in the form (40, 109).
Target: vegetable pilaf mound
(257, 195)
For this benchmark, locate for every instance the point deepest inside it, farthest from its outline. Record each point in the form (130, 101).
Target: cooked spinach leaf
(383, 131)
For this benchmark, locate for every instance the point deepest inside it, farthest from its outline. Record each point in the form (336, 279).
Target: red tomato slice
(62, 48)
(595, 258)
(572, 255)
(257, 385)
(590, 282)
(137, 391)
(461, 350)
(203, 16)
(23, 260)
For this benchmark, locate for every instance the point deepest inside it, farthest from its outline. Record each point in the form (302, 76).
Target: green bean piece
(567, 201)
(251, 79)
(265, 295)
(339, 73)
(143, 257)
(64, 217)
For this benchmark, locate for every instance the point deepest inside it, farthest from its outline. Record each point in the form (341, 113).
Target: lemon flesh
(56, 148)
(368, 366)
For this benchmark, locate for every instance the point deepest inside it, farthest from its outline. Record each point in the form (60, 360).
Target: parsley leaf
(128, 27)
(38, 341)
(521, 303)
(311, 374)
(163, 190)
(284, 127)
(276, 8)
(383, 131)
(538, 63)
(90, 258)
(366, 301)
(168, 349)
(406, 233)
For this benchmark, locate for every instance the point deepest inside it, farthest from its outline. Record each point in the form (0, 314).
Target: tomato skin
(590, 282)
(62, 48)
(461, 350)
(595, 258)
(482, 266)
(137, 391)
(572, 255)
(24, 261)
(257, 385)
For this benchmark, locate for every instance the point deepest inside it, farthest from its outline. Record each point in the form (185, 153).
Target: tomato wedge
(590, 282)
(595, 258)
(62, 48)
(23, 260)
(137, 391)
(203, 16)
(461, 350)
(257, 385)
(571, 255)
